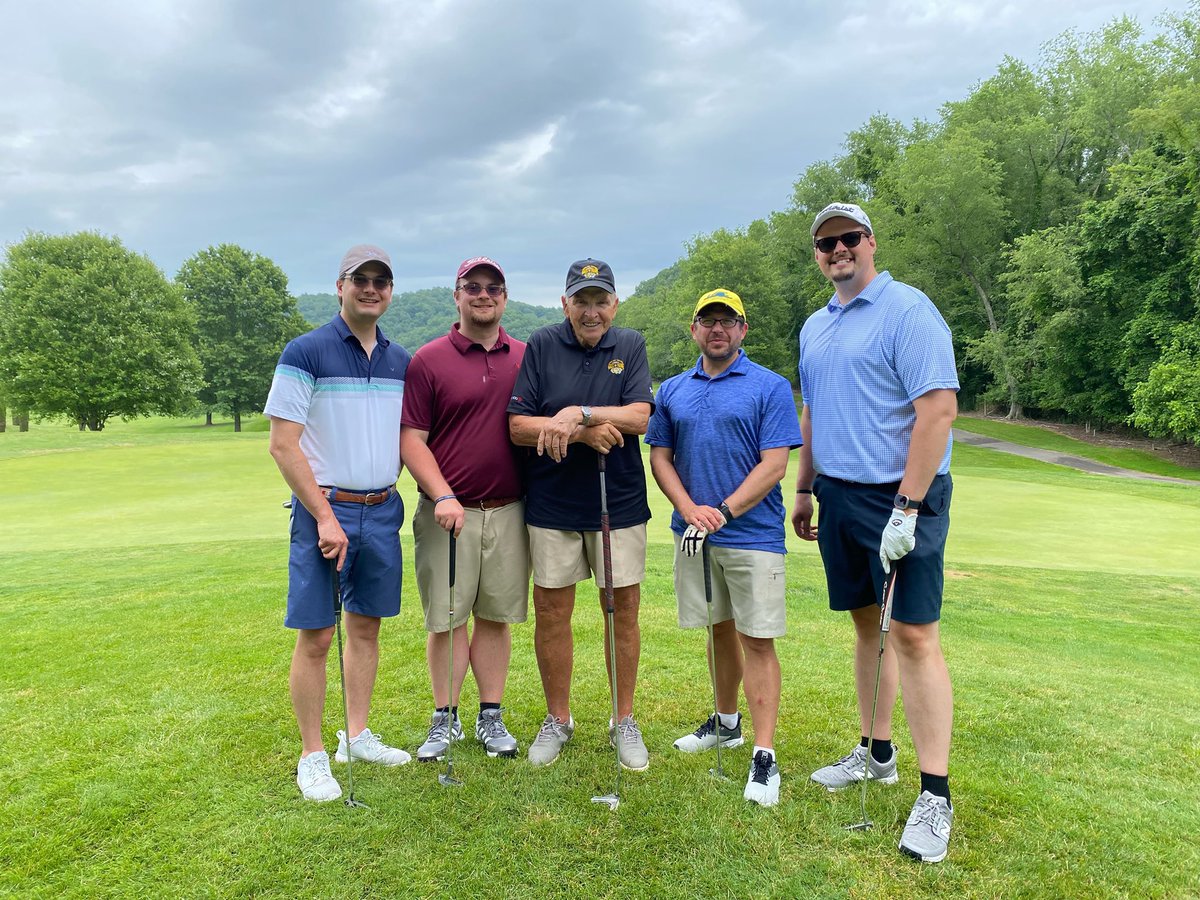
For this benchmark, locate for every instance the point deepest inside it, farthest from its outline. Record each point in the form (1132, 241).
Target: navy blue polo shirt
(557, 372)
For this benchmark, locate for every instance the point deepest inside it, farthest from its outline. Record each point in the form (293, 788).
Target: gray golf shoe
(496, 739)
(927, 832)
(626, 736)
(551, 738)
(849, 770)
(762, 785)
(705, 738)
(441, 733)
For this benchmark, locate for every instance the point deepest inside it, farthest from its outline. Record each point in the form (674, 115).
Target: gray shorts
(491, 566)
(748, 586)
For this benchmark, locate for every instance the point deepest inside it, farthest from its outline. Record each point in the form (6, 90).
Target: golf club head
(864, 825)
(356, 804)
(611, 800)
(719, 774)
(449, 780)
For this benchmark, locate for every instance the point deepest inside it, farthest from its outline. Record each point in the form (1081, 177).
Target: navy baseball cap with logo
(587, 273)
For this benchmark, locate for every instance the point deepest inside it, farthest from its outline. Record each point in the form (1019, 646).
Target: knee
(314, 643)
(626, 600)
(916, 642)
(362, 628)
(761, 648)
(552, 609)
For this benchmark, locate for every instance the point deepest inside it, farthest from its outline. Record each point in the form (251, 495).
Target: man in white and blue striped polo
(879, 384)
(335, 406)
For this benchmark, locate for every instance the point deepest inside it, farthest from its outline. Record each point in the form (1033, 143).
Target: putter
(337, 621)
(719, 771)
(612, 800)
(447, 778)
(885, 624)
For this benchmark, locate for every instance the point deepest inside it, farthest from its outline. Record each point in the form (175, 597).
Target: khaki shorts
(491, 566)
(748, 586)
(564, 558)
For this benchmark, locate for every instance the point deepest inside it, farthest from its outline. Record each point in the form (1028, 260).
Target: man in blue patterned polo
(879, 383)
(335, 406)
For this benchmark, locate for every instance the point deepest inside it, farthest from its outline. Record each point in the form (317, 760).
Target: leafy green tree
(244, 316)
(89, 330)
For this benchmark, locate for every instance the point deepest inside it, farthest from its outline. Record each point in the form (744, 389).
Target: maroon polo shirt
(459, 393)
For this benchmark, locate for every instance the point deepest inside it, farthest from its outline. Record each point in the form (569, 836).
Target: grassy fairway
(148, 746)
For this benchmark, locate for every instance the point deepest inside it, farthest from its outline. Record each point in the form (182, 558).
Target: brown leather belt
(492, 503)
(371, 498)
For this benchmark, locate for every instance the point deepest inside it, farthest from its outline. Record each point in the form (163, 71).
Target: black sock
(881, 750)
(938, 785)
(483, 706)
(448, 709)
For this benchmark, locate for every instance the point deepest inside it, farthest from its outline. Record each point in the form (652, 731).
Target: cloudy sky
(535, 132)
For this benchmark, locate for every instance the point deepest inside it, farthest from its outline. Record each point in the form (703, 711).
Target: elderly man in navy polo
(335, 406)
(584, 387)
(880, 389)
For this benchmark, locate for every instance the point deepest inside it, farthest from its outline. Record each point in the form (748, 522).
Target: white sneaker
(762, 787)
(315, 780)
(368, 747)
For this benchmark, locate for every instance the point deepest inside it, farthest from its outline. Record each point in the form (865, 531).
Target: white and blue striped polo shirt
(861, 366)
(349, 406)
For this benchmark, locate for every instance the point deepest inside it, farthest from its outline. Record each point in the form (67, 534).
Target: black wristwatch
(723, 509)
(901, 501)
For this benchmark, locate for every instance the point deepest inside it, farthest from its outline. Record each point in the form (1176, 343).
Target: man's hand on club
(899, 537)
(703, 521)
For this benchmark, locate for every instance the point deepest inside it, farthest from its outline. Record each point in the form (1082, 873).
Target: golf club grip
(889, 592)
(707, 573)
(453, 563)
(337, 587)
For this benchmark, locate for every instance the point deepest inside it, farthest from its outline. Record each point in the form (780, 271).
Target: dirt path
(1060, 459)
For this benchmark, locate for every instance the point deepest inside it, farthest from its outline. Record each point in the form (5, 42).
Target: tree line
(1053, 215)
(90, 330)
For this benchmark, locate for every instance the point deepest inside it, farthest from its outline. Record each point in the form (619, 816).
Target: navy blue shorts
(370, 576)
(849, 526)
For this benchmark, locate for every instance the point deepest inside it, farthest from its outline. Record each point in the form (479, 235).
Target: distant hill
(417, 317)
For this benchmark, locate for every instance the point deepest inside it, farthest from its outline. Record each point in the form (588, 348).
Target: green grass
(149, 746)
(1045, 439)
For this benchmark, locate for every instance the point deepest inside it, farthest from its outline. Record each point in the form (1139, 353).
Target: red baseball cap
(468, 264)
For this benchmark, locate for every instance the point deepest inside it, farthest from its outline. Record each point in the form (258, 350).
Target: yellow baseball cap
(723, 297)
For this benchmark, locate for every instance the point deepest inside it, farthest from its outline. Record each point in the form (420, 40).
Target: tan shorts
(491, 566)
(564, 558)
(748, 586)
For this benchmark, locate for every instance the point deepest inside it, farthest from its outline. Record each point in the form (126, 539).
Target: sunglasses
(378, 281)
(850, 240)
(726, 322)
(474, 289)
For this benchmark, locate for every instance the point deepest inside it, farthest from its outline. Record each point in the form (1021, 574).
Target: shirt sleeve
(660, 432)
(924, 351)
(292, 385)
(526, 395)
(417, 411)
(780, 424)
(637, 388)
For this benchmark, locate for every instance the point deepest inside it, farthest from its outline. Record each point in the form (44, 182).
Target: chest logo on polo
(616, 366)
(589, 272)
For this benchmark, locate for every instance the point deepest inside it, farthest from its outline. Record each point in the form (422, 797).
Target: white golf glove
(692, 541)
(899, 537)
(693, 538)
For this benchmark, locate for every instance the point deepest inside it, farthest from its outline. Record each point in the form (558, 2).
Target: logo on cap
(589, 272)
(616, 366)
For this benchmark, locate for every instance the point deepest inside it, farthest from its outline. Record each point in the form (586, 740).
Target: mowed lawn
(148, 746)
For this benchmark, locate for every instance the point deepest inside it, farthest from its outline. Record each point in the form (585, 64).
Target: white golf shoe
(315, 780)
(369, 747)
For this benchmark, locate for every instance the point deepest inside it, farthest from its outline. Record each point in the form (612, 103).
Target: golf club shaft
(885, 625)
(606, 547)
(450, 665)
(337, 623)
(712, 649)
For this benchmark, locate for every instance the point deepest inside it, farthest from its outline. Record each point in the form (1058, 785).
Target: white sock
(729, 720)
(770, 751)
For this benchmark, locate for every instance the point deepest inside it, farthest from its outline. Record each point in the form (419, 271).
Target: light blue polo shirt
(718, 428)
(861, 366)
(349, 406)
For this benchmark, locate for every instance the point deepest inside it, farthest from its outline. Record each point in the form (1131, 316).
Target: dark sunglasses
(850, 240)
(474, 289)
(361, 281)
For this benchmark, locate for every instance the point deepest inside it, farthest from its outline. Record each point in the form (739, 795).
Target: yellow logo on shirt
(616, 366)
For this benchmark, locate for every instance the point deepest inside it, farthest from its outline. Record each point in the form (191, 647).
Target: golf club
(719, 771)
(612, 800)
(885, 624)
(337, 622)
(447, 778)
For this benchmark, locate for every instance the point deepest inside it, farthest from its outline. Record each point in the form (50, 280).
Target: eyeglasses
(726, 322)
(378, 281)
(850, 240)
(474, 289)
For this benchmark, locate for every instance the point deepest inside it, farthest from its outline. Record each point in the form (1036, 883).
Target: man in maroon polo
(454, 440)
